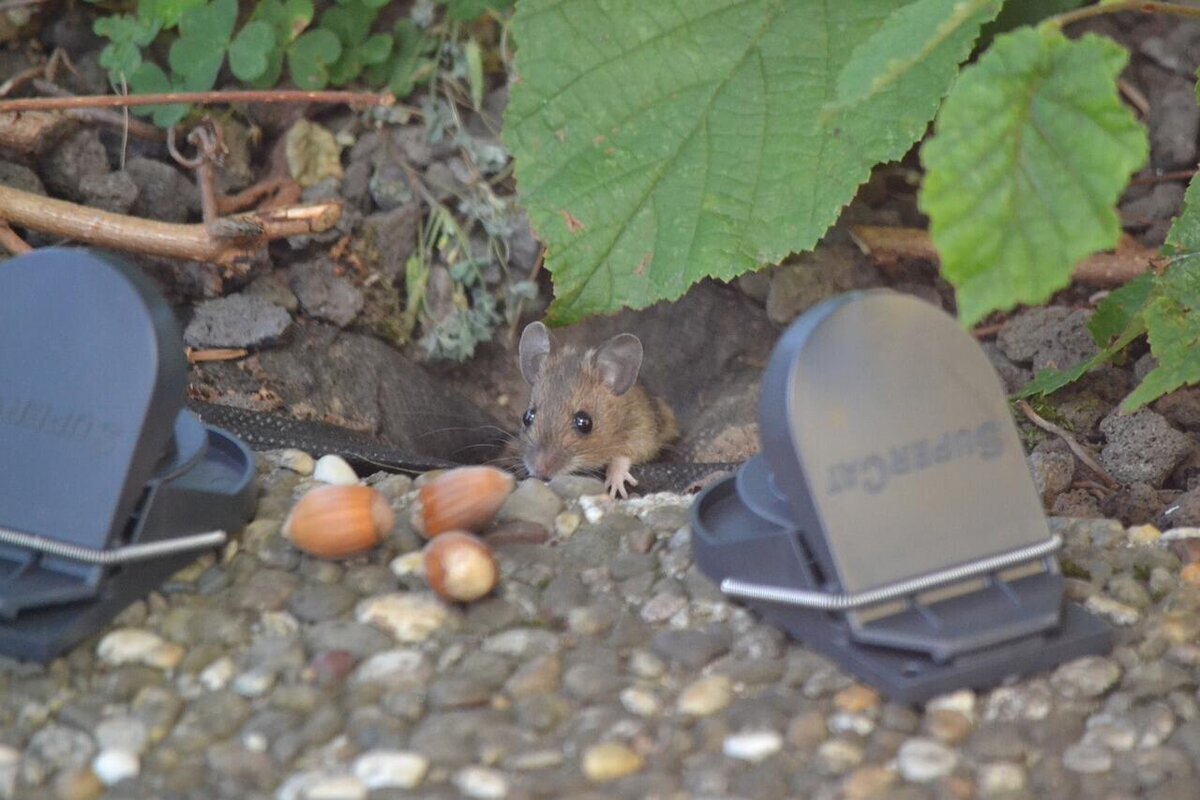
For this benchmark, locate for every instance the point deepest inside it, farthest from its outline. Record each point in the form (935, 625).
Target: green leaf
(468, 10)
(1173, 327)
(288, 20)
(1032, 149)
(166, 12)
(351, 23)
(1018, 13)
(197, 55)
(1183, 240)
(150, 79)
(211, 23)
(408, 65)
(924, 34)
(1121, 309)
(310, 57)
(127, 34)
(689, 140)
(474, 56)
(250, 49)
(376, 48)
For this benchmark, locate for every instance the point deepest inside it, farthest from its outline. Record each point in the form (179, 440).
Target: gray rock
(1048, 338)
(355, 638)
(18, 176)
(1174, 126)
(1161, 202)
(691, 648)
(79, 157)
(1013, 376)
(1142, 447)
(318, 602)
(163, 191)
(389, 187)
(1052, 473)
(110, 191)
(323, 294)
(1086, 677)
(238, 320)
(532, 501)
(809, 278)
(272, 286)
(394, 237)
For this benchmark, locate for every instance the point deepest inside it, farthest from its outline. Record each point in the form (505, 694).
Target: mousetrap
(890, 521)
(108, 485)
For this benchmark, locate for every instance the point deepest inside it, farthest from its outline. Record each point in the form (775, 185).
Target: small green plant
(266, 40)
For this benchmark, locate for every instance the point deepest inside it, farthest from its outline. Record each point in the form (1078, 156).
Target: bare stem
(1144, 6)
(195, 98)
(226, 241)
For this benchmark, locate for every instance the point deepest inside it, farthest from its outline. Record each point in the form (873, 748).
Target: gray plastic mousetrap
(108, 485)
(890, 521)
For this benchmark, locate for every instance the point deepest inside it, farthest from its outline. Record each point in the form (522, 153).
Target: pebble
(705, 696)
(640, 701)
(10, 762)
(532, 501)
(753, 746)
(296, 461)
(1144, 535)
(924, 760)
(856, 699)
(1087, 758)
(609, 761)
(114, 766)
(1001, 778)
(867, 783)
(838, 756)
(216, 676)
(334, 469)
(399, 667)
(1115, 612)
(136, 646)
(1087, 677)
(482, 783)
(407, 616)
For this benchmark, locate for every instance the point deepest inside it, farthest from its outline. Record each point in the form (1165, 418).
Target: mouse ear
(618, 361)
(534, 347)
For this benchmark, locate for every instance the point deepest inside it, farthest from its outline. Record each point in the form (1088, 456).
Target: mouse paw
(617, 476)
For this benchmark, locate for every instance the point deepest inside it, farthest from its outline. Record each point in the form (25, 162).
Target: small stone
(532, 501)
(121, 733)
(566, 523)
(1116, 613)
(522, 643)
(216, 676)
(1142, 447)
(752, 746)
(408, 564)
(114, 766)
(335, 470)
(856, 699)
(296, 461)
(868, 783)
(335, 787)
(947, 726)
(10, 763)
(1087, 758)
(1144, 534)
(383, 769)
(640, 701)
(838, 756)
(238, 320)
(705, 696)
(1000, 778)
(323, 293)
(924, 760)
(254, 682)
(1191, 573)
(137, 646)
(662, 607)
(481, 782)
(401, 667)
(78, 784)
(608, 761)
(1087, 677)
(408, 617)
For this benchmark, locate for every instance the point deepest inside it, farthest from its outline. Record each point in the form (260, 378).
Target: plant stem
(195, 98)
(1145, 6)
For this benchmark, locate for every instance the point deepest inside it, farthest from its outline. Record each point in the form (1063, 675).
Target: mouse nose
(542, 465)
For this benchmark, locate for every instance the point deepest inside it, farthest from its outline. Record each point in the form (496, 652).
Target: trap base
(890, 522)
(109, 486)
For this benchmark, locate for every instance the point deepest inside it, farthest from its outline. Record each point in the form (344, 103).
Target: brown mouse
(586, 410)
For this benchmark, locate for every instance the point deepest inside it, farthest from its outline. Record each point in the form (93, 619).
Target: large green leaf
(1183, 240)
(1032, 150)
(690, 140)
(1173, 327)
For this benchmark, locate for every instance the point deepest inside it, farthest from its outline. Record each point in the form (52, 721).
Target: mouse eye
(582, 422)
(527, 418)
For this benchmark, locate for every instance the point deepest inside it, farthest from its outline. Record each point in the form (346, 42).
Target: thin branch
(1166, 177)
(886, 245)
(196, 98)
(115, 119)
(227, 241)
(1145, 6)
(11, 242)
(216, 354)
(1079, 450)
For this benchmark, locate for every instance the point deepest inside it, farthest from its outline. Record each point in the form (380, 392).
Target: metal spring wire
(824, 601)
(118, 555)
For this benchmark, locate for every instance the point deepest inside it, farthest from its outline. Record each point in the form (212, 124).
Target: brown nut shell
(337, 521)
(460, 567)
(462, 499)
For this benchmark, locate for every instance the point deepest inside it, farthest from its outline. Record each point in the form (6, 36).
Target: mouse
(587, 411)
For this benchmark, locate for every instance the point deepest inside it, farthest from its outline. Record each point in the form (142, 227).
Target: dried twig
(11, 242)
(227, 241)
(1166, 177)
(1079, 450)
(1134, 96)
(252, 195)
(216, 354)
(887, 245)
(197, 99)
(104, 116)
